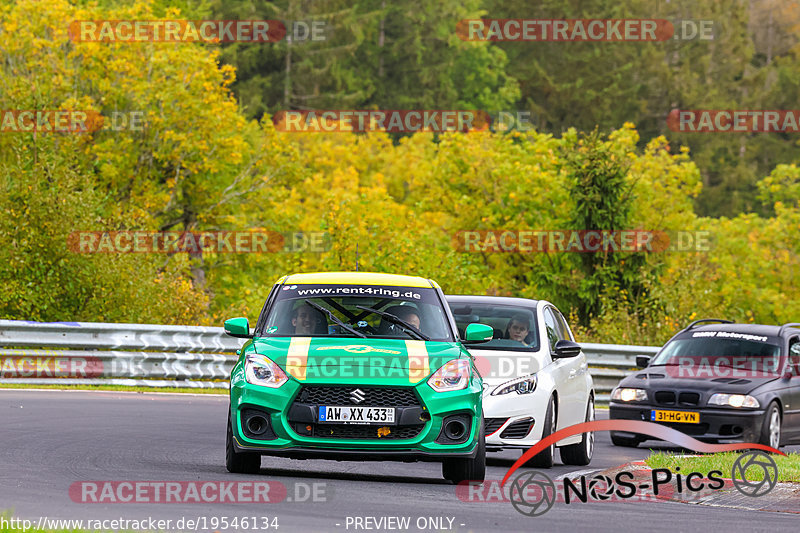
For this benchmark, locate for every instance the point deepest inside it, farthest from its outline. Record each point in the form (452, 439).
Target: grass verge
(788, 466)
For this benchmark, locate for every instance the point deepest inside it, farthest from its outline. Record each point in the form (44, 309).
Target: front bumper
(514, 420)
(716, 425)
(286, 420)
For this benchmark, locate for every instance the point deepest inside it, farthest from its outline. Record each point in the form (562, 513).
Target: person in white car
(518, 328)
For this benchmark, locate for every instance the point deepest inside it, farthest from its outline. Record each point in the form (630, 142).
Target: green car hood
(352, 360)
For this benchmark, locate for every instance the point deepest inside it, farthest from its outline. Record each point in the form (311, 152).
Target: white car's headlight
(733, 400)
(624, 394)
(261, 370)
(453, 375)
(524, 385)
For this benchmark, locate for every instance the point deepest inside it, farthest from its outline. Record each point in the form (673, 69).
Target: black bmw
(720, 382)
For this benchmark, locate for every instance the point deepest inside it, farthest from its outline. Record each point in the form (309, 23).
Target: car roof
(753, 329)
(497, 300)
(358, 278)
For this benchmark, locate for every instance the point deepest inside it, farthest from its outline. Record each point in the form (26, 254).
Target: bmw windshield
(703, 353)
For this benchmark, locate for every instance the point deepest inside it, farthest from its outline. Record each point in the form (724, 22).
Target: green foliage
(45, 198)
(201, 164)
(384, 55)
(782, 185)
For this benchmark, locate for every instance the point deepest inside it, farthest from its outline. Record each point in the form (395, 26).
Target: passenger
(410, 315)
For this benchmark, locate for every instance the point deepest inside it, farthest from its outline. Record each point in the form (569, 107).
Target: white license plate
(356, 415)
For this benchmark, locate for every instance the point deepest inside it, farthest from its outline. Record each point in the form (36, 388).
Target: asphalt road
(52, 440)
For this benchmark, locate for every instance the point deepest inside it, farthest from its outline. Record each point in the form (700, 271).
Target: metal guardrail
(609, 363)
(152, 355)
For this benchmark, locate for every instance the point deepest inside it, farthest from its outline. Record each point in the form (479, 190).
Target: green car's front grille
(404, 399)
(372, 396)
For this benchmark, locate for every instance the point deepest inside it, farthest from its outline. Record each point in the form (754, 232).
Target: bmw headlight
(261, 370)
(733, 400)
(624, 394)
(524, 385)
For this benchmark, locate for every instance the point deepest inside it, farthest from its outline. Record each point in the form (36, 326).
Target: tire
(625, 442)
(771, 428)
(458, 470)
(580, 454)
(238, 462)
(544, 459)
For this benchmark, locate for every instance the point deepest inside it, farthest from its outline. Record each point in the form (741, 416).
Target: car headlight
(524, 385)
(624, 394)
(261, 370)
(453, 375)
(733, 400)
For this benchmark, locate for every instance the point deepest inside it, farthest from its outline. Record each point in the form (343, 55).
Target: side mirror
(565, 348)
(238, 327)
(642, 361)
(476, 333)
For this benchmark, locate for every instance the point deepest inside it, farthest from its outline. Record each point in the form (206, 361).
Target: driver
(518, 328)
(304, 320)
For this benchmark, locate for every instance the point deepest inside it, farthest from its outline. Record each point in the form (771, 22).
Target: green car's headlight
(261, 370)
(524, 385)
(623, 394)
(733, 400)
(453, 375)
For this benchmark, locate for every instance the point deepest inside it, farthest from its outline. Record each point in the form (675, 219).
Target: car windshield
(514, 326)
(357, 311)
(722, 351)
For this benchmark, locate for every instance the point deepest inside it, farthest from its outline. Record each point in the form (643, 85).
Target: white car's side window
(562, 323)
(551, 328)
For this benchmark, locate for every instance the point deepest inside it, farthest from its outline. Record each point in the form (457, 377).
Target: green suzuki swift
(356, 366)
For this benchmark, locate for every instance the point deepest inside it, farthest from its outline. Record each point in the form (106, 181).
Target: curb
(783, 498)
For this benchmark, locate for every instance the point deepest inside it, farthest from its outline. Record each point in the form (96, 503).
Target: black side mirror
(642, 361)
(566, 348)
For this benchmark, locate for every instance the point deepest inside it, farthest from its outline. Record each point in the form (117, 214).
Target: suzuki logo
(357, 396)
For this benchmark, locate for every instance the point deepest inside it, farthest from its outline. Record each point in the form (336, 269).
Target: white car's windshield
(514, 326)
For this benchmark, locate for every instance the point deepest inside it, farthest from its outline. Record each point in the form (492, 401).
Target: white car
(535, 377)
